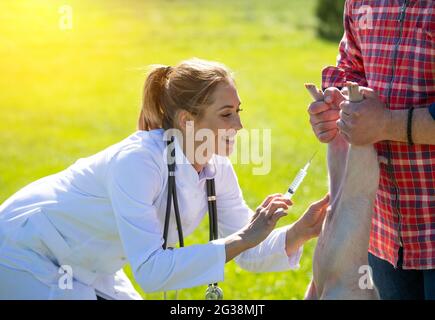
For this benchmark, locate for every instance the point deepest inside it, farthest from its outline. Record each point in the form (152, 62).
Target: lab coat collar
(182, 163)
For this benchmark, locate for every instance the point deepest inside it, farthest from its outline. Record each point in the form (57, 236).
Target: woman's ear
(182, 118)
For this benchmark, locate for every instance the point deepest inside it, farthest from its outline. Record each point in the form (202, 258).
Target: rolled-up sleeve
(350, 65)
(134, 181)
(234, 214)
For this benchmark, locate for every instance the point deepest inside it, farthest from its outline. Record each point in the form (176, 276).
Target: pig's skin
(342, 247)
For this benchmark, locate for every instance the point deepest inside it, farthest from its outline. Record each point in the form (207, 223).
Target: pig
(340, 263)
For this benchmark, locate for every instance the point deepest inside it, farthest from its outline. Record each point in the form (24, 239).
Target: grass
(67, 94)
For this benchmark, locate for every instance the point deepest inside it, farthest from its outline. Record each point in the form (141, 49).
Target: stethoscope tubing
(172, 196)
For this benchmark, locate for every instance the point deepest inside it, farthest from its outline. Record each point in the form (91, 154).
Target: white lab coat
(109, 209)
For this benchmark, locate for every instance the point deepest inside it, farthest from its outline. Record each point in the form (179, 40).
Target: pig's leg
(311, 293)
(343, 243)
(343, 247)
(337, 158)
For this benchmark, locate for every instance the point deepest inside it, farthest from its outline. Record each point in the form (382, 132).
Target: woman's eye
(226, 115)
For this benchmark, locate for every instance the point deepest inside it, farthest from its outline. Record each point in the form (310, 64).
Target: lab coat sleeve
(134, 180)
(234, 214)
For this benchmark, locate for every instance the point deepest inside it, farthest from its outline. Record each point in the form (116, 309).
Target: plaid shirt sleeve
(350, 65)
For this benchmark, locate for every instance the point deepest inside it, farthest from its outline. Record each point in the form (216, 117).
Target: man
(388, 47)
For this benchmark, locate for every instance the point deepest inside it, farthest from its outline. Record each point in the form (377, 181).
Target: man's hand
(324, 114)
(364, 122)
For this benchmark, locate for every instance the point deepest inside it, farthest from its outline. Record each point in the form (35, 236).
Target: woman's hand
(308, 226)
(313, 218)
(261, 225)
(265, 218)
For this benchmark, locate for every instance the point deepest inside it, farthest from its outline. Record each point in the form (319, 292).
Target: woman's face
(221, 118)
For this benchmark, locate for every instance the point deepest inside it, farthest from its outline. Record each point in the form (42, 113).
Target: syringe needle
(314, 154)
(297, 181)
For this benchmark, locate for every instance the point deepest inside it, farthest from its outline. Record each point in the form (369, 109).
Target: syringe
(297, 181)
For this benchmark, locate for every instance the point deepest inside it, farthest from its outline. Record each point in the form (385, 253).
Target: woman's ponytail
(187, 86)
(152, 114)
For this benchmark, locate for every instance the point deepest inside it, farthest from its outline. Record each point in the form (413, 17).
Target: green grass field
(67, 94)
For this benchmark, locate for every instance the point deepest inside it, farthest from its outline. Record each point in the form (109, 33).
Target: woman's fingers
(276, 216)
(319, 224)
(286, 200)
(268, 199)
(315, 215)
(274, 202)
(320, 204)
(279, 200)
(274, 206)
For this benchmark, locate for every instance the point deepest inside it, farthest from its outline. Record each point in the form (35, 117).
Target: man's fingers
(328, 115)
(344, 130)
(325, 126)
(327, 136)
(345, 116)
(350, 108)
(342, 126)
(318, 107)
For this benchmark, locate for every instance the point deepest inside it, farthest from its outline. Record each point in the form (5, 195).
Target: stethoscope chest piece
(214, 292)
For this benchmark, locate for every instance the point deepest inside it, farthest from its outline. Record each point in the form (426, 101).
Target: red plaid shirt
(388, 46)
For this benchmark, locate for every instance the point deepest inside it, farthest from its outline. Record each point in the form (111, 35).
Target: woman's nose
(238, 124)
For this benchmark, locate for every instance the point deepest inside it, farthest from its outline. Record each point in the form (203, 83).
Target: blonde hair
(187, 86)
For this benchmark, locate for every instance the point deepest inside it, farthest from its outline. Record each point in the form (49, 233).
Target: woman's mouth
(229, 140)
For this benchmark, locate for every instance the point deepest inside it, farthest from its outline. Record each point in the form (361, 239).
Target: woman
(103, 211)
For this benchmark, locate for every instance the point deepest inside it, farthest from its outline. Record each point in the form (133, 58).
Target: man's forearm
(423, 126)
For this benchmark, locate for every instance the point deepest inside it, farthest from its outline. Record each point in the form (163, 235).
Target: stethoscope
(213, 292)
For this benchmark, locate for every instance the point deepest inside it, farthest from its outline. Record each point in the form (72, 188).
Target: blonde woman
(109, 209)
